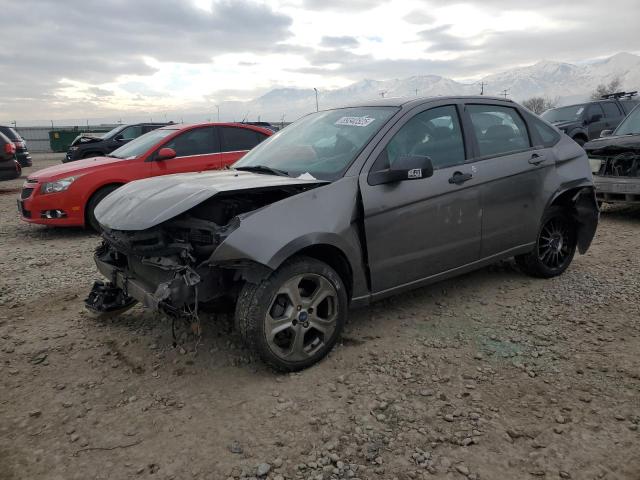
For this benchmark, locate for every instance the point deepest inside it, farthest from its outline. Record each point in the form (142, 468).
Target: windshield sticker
(580, 110)
(355, 121)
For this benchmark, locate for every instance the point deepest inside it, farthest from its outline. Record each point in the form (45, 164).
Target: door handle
(459, 178)
(536, 159)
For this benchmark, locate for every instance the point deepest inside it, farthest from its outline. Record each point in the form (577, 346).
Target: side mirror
(166, 154)
(606, 133)
(119, 137)
(406, 167)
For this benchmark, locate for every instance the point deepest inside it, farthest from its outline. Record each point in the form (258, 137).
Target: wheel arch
(93, 193)
(582, 203)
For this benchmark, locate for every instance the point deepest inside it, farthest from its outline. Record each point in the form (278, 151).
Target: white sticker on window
(580, 110)
(355, 121)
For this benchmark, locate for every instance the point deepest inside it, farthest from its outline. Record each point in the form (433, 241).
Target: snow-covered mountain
(569, 82)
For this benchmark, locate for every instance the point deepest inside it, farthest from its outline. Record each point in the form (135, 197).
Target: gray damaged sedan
(345, 207)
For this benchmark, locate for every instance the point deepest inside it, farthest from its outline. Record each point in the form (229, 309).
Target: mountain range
(568, 82)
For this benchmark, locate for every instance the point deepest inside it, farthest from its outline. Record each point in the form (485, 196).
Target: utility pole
(316, 90)
(383, 93)
(218, 107)
(505, 92)
(416, 92)
(482, 84)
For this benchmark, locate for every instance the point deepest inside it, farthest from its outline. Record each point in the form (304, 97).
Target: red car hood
(73, 168)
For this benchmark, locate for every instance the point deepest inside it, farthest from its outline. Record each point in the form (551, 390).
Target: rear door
(612, 114)
(236, 141)
(416, 229)
(196, 149)
(511, 172)
(596, 121)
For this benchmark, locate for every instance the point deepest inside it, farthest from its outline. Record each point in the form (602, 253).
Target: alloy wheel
(302, 317)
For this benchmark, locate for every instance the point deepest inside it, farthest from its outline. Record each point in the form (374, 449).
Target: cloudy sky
(89, 59)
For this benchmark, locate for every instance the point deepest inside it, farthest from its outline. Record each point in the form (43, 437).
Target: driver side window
(434, 133)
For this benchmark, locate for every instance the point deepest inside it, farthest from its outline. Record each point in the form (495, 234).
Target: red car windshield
(142, 144)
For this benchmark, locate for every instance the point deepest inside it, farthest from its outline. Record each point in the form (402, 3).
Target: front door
(196, 150)
(416, 229)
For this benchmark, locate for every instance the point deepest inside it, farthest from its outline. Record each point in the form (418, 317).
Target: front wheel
(555, 246)
(93, 202)
(293, 318)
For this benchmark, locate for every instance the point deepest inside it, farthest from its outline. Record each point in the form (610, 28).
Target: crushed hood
(614, 145)
(145, 203)
(87, 138)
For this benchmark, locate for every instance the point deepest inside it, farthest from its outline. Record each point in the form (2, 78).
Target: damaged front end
(168, 267)
(617, 176)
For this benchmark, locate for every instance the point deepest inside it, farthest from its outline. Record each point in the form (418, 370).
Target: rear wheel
(555, 246)
(294, 317)
(93, 202)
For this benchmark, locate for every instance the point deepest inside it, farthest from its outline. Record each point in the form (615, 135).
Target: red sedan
(67, 194)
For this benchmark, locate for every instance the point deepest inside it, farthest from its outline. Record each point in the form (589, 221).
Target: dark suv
(584, 121)
(9, 166)
(22, 154)
(87, 145)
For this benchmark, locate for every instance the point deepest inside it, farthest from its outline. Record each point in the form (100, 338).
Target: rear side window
(198, 141)
(499, 130)
(546, 134)
(238, 138)
(594, 110)
(11, 133)
(611, 110)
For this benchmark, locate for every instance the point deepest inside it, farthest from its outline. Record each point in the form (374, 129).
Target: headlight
(57, 186)
(595, 163)
(73, 149)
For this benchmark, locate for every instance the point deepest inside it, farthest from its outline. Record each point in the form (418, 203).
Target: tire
(580, 141)
(555, 245)
(274, 304)
(96, 198)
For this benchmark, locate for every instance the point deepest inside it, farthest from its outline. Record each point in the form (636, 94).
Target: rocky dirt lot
(490, 376)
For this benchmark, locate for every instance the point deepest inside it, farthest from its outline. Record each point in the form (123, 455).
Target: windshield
(630, 125)
(140, 145)
(322, 144)
(564, 114)
(112, 132)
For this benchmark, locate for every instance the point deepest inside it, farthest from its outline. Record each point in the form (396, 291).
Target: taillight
(9, 148)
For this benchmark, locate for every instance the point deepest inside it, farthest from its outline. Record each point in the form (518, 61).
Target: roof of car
(411, 101)
(181, 126)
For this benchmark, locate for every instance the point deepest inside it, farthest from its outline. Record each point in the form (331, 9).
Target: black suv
(9, 166)
(22, 154)
(87, 145)
(584, 121)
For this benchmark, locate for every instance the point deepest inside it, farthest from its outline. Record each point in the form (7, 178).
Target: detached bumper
(169, 295)
(617, 189)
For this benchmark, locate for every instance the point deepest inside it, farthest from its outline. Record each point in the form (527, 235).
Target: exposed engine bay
(167, 267)
(626, 164)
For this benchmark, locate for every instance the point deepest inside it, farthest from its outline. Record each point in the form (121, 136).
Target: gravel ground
(493, 375)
